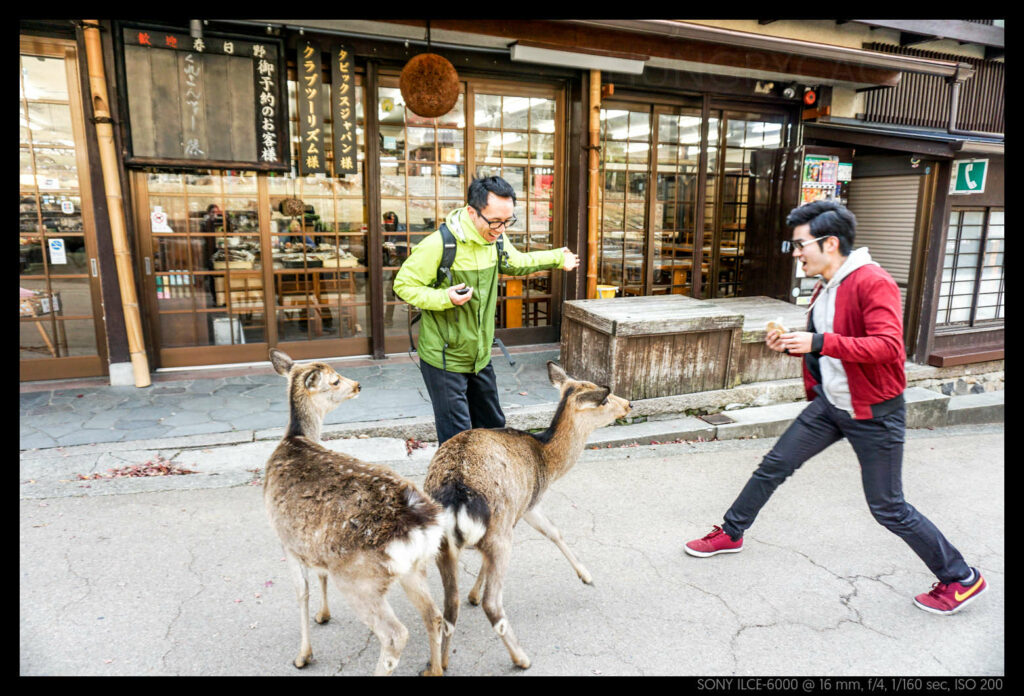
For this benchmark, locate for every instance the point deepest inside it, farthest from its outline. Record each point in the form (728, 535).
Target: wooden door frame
(86, 365)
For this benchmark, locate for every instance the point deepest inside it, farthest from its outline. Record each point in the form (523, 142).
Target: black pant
(878, 443)
(462, 400)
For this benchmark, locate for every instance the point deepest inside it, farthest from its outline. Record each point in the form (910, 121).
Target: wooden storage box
(756, 362)
(645, 347)
(245, 289)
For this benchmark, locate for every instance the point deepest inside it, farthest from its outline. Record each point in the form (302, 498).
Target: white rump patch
(472, 530)
(421, 544)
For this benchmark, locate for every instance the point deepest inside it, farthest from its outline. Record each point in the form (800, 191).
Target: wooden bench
(947, 357)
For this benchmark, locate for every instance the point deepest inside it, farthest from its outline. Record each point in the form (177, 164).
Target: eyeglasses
(496, 224)
(790, 244)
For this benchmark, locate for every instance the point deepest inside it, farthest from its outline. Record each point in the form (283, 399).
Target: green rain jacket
(468, 330)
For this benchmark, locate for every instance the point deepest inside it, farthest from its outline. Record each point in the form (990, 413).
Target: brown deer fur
(360, 523)
(489, 479)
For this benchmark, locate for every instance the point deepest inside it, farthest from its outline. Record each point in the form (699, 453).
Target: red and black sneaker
(715, 542)
(951, 598)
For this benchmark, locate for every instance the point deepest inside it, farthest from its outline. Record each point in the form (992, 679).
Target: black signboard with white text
(217, 101)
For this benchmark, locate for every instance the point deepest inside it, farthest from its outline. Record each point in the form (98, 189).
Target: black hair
(826, 218)
(479, 188)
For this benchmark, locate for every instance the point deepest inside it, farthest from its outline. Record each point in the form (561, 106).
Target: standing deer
(360, 523)
(489, 479)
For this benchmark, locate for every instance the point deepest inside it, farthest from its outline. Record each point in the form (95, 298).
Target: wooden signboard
(312, 153)
(343, 111)
(217, 101)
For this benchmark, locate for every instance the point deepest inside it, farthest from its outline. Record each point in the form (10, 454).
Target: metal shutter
(886, 211)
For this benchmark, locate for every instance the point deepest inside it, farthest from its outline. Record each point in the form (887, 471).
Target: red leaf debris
(413, 444)
(157, 466)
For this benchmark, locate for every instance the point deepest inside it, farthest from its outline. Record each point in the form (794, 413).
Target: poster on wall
(212, 101)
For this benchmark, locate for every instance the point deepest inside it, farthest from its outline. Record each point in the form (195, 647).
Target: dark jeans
(462, 400)
(878, 443)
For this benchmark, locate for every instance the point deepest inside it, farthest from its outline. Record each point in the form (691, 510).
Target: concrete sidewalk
(228, 406)
(139, 576)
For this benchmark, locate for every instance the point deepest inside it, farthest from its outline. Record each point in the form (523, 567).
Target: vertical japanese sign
(343, 111)
(311, 118)
(193, 102)
(267, 138)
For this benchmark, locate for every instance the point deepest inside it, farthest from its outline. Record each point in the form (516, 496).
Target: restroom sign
(968, 176)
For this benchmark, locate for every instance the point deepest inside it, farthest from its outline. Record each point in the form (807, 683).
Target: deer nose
(357, 387)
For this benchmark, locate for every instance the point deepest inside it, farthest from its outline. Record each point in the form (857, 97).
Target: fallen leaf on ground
(158, 466)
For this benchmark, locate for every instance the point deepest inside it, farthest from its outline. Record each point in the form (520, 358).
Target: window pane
(995, 218)
(45, 78)
(973, 217)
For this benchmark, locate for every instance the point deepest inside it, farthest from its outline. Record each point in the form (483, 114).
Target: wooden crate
(756, 362)
(645, 347)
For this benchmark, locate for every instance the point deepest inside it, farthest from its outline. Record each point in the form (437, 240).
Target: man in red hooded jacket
(854, 376)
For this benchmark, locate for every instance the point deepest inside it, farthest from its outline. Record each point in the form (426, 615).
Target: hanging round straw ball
(429, 85)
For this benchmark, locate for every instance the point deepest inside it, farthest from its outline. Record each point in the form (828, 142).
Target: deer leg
(298, 571)
(536, 519)
(415, 585)
(369, 603)
(478, 586)
(448, 566)
(496, 569)
(324, 615)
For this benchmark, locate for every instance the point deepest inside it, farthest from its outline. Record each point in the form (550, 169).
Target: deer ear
(595, 396)
(281, 362)
(556, 374)
(312, 380)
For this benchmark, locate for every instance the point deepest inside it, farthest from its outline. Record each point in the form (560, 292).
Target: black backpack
(444, 272)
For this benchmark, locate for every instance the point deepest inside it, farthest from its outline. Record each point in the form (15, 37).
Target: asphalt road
(193, 582)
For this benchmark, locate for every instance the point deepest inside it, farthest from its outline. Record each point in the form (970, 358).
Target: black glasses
(790, 244)
(496, 224)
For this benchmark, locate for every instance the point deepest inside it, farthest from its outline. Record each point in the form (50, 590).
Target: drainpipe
(954, 108)
(115, 203)
(592, 189)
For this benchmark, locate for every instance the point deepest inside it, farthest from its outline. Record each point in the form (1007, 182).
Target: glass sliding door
(742, 133)
(61, 326)
(658, 224)
(422, 179)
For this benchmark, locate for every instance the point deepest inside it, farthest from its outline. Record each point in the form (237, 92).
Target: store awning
(669, 44)
(890, 137)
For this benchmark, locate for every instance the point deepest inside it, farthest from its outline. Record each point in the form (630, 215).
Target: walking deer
(360, 523)
(489, 479)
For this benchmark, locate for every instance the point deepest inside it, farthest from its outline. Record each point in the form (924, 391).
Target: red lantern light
(810, 96)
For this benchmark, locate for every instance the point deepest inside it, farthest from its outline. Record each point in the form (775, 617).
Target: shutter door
(886, 211)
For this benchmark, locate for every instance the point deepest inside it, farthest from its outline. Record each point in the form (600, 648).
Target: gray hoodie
(823, 311)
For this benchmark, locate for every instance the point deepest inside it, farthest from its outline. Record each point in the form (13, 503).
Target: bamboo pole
(115, 202)
(592, 189)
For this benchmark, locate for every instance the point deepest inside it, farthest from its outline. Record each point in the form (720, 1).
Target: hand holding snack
(774, 329)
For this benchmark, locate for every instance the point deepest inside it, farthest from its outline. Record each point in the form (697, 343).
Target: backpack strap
(444, 270)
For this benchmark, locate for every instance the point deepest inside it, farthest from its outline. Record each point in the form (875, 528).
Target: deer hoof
(473, 599)
(431, 672)
(586, 577)
(322, 618)
(303, 660)
(522, 663)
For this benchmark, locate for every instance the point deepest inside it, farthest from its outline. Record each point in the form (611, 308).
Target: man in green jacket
(457, 330)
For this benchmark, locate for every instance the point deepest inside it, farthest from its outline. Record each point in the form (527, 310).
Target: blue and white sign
(58, 254)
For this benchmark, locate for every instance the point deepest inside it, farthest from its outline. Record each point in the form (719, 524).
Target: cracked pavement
(123, 578)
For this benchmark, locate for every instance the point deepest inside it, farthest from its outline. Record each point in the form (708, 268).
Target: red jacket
(867, 336)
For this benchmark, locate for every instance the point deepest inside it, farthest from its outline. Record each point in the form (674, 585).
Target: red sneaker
(715, 542)
(951, 598)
